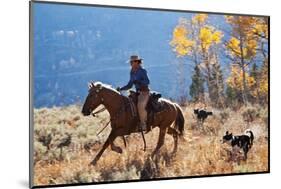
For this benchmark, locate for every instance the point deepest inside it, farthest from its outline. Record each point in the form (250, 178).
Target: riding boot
(142, 126)
(145, 127)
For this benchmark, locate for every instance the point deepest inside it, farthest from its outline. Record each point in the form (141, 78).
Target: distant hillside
(76, 44)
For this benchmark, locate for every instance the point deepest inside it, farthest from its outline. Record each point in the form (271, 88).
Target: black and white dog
(244, 141)
(202, 114)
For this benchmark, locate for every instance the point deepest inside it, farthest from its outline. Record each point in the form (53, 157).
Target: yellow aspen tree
(263, 83)
(242, 46)
(261, 30)
(235, 80)
(194, 38)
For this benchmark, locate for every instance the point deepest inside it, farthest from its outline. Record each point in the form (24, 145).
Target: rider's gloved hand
(118, 89)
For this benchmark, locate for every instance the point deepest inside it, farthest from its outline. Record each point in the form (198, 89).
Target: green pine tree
(196, 89)
(216, 90)
(231, 96)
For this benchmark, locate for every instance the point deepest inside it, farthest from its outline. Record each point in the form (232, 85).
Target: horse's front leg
(108, 141)
(117, 148)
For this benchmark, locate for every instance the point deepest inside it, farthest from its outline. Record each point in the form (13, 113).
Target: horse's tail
(179, 123)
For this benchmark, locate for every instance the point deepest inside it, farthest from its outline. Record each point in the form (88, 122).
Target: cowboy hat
(134, 58)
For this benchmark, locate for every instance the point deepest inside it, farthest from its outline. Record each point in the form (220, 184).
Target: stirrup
(141, 128)
(148, 129)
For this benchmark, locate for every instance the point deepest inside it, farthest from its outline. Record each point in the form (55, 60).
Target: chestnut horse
(124, 123)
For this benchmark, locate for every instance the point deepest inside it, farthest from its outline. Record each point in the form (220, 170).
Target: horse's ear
(90, 85)
(99, 86)
(226, 132)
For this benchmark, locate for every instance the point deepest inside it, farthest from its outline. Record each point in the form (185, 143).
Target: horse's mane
(102, 85)
(166, 100)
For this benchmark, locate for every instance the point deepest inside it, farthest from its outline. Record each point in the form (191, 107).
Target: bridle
(94, 114)
(101, 99)
(97, 94)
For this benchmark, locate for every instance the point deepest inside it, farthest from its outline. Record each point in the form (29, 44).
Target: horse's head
(94, 98)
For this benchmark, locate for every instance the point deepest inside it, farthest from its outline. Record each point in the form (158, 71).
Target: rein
(103, 128)
(94, 114)
(122, 109)
(99, 111)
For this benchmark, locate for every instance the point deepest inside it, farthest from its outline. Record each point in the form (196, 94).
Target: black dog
(202, 114)
(242, 141)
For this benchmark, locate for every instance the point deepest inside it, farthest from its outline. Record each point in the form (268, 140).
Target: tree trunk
(181, 81)
(245, 91)
(208, 76)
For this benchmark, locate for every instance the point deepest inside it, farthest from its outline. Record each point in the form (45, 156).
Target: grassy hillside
(200, 150)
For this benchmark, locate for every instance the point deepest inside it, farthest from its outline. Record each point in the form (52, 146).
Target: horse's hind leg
(116, 148)
(174, 133)
(108, 141)
(161, 139)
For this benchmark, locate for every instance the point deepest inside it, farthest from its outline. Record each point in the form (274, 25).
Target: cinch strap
(133, 108)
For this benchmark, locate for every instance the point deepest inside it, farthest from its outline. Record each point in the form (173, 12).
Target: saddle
(153, 105)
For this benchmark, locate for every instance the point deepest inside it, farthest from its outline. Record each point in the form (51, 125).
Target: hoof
(118, 150)
(93, 163)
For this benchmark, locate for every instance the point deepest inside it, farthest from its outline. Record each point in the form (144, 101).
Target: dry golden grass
(200, 151)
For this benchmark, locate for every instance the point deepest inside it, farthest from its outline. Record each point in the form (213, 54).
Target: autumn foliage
(194, 35)
(243, 46)
(229, 77)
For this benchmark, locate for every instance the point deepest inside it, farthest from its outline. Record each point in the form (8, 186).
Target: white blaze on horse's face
(93, 99)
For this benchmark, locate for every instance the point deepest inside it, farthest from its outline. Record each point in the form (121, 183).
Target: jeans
(142, 102)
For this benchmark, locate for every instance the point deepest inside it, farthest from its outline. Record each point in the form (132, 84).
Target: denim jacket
(139, 78)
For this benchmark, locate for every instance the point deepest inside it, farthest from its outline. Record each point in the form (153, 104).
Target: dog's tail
(251, 135)
(209, 113)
